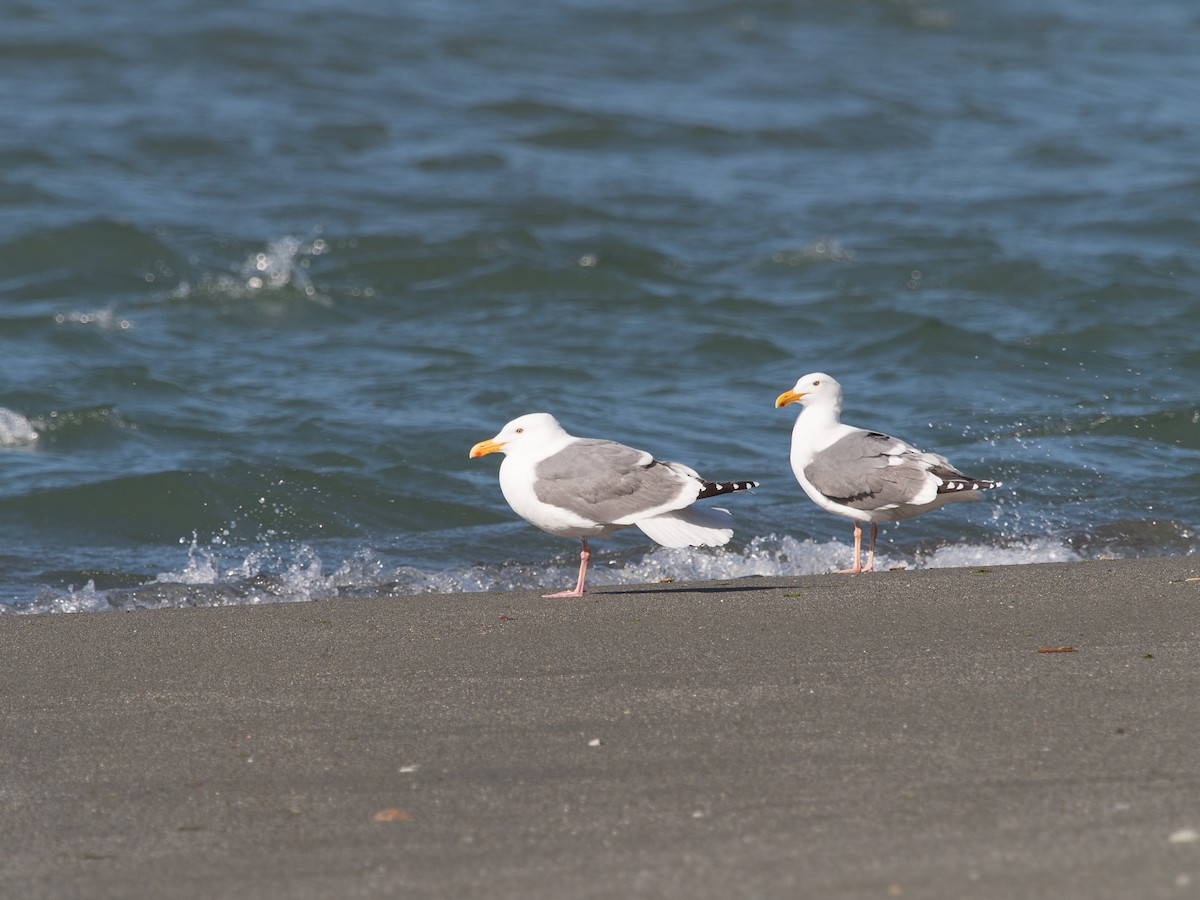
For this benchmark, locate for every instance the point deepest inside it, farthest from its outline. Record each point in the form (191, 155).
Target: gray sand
(895, 734)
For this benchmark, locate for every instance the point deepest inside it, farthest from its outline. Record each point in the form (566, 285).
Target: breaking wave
(211, 578)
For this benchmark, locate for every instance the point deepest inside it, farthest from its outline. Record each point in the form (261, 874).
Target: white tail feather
(692, 527)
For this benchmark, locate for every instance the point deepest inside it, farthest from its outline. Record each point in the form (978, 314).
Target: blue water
(268, 270)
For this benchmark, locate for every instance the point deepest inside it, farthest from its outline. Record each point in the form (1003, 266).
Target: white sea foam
(283, 262)
(282, 266)
(15, 429)
(771, 556)
(215, 576)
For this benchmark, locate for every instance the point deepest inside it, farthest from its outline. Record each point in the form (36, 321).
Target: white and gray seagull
(584, 487)
(864, 475)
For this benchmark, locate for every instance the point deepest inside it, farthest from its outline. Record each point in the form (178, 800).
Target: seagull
(864, 475)
(585, 487)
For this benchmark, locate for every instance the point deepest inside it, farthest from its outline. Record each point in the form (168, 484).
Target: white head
(816, 389)
(532, 432)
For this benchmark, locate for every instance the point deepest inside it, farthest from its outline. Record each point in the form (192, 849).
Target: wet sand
(887, 735)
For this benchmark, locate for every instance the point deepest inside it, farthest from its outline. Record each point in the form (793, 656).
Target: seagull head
(816, 388)
(535, 431)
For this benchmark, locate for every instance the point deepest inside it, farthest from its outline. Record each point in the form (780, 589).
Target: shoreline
(892, 734)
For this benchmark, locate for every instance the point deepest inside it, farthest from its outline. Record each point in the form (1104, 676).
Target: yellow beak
(787, 397)
(483, 448)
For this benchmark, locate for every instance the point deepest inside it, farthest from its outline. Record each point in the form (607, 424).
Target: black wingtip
(716, 488)
(957, 485)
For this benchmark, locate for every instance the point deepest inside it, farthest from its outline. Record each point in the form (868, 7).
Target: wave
(16, 430)
(217, 576)
(281, 265)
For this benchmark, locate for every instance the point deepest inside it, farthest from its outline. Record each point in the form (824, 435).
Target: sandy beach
(1024, 731)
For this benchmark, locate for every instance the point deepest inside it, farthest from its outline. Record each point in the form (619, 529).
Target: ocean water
(268, 270)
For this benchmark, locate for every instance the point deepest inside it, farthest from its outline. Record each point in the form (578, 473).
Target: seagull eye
(520, 431)
(815, 383)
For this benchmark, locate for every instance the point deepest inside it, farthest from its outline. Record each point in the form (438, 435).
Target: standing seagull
(582, 487)
(864, 475)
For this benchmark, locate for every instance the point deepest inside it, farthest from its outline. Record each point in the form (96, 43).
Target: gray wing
(610, 483)
(868, 470)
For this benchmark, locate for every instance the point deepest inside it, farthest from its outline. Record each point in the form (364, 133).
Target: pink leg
(857, 567)
(584, 556)
(871, 552)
